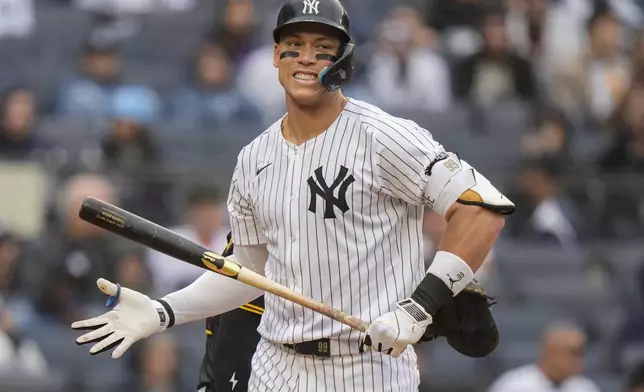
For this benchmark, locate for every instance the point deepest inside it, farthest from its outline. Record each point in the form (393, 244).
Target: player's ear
(276, 55)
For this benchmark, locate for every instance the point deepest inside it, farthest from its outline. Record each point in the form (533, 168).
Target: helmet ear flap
(338, 73)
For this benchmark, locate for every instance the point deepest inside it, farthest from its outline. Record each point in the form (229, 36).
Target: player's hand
(134, 316)
(393, 331)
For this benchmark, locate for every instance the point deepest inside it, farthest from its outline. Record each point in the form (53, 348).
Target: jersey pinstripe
(340, 215)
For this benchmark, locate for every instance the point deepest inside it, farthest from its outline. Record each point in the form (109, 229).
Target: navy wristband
(432, 293)
(168, 310)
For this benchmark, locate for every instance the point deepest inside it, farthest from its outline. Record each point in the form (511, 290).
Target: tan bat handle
(256, 280)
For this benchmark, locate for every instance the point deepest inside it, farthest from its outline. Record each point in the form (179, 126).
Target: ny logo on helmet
(311, 6)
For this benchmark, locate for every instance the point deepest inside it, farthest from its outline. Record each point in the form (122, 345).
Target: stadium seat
(512, 354)
(160, 76)
(588, 145)
(571, 295)
(16, 380)
(445, 369)
(514, 263)
(155, 31)
(61, 30)
(607, 382)
(522, 323)
(517, 260)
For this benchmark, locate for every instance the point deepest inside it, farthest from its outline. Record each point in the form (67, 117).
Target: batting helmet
(330, 13)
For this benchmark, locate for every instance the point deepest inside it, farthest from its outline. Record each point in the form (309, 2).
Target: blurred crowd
(97, 109)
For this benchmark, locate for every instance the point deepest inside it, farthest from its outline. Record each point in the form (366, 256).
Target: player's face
(296, 57)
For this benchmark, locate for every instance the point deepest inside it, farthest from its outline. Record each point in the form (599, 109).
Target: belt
(318, 348)
(326, 347)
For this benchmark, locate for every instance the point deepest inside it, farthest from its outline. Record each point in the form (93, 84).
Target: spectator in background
(19, 354)
(211, 96)
(155, 366)
(364, 15)
(17, 18)
(559, 366)
(457, 21)
(131, 154)
(15, 290)
(445, 14)
(548, 216)
(496, 73)
(627, 344)
(87, 95)
(592, 85)
(205, 224)
(238, 32)
(75, 254)
(624, 208)
(132, 271)
(128, 144)
(638, 59)
(627, 126)
(257, 70)
(19, 138)
(547, 32)
(406, 71)
(549, 138)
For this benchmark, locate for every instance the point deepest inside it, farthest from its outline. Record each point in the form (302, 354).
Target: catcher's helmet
(330, 13)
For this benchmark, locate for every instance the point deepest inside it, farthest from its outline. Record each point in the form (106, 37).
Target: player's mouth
(306, 77)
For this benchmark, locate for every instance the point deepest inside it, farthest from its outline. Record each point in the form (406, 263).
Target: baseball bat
(161, 239)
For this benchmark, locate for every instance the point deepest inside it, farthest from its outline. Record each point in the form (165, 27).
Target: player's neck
(549, 372)
(304, 123)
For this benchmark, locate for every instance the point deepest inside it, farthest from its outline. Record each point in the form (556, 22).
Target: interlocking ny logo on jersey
(311, 6)
(320, 188)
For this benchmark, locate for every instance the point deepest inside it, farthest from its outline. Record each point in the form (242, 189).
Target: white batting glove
(393, 331)
(134, 316)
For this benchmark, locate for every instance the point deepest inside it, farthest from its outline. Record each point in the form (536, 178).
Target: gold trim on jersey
(259, 308)
(228, 250)
(247, 307)
(256, 309)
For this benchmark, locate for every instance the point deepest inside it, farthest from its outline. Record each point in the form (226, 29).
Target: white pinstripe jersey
(340, 215)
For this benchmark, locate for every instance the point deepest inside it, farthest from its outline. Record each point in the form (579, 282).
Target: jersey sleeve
(406, 157)
(245, 228)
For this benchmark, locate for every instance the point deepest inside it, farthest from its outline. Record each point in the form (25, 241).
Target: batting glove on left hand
(393, 331)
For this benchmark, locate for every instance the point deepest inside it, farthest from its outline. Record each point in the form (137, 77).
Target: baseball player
(328, 201)
(231, 339)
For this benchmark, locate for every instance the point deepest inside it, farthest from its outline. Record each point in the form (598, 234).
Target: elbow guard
(485, 195)
(453, 180)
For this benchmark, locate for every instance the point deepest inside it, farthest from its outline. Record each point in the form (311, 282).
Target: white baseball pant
(277, 368)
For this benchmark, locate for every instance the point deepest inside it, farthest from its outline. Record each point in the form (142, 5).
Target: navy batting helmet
(330, 13)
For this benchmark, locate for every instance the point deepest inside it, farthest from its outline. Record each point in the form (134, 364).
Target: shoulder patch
(441, 157)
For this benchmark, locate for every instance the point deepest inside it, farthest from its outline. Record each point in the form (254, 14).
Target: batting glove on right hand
(134, 316)
(392, 332)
